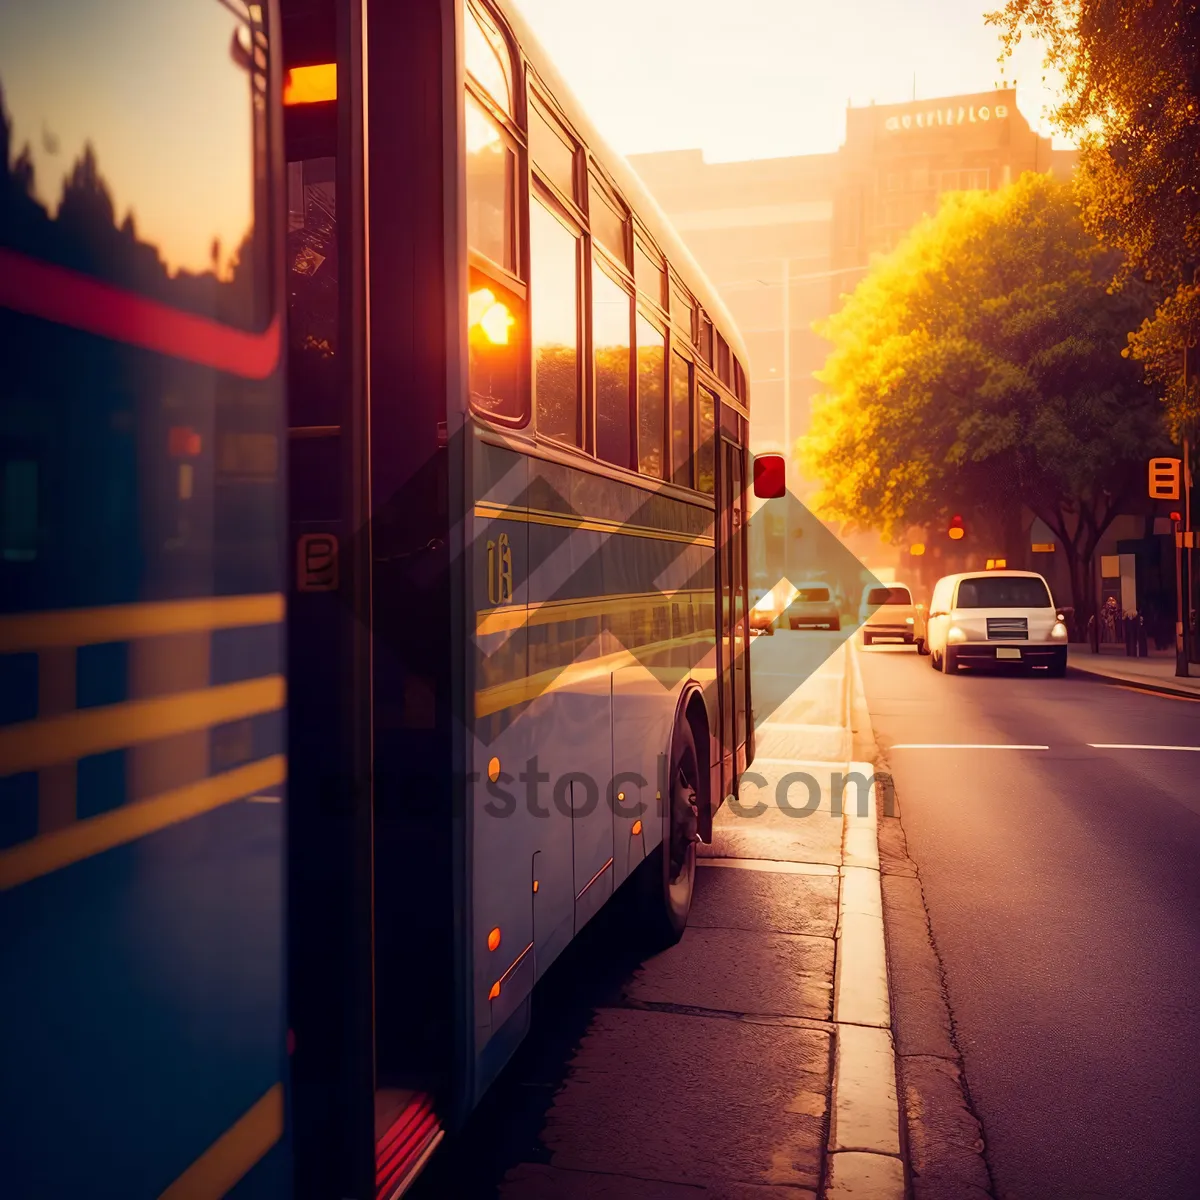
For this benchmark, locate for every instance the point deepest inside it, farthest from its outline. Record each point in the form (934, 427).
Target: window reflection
(81, 101)
(611, 309)
(496, 342)
(681, 421)
(554, 288)
(706, 419)
(484, 61)
(491, 175)
(607, 225)
(651, 400)
(649, 273)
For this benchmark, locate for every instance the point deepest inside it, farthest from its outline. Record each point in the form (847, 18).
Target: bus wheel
(670, 875)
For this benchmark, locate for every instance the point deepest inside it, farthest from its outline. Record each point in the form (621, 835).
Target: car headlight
(954, 634)
(908, 620)
(1059, 632)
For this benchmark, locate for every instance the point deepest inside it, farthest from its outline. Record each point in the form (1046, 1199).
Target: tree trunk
(1080, 567)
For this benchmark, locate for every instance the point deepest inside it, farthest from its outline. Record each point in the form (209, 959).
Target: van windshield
(812, 594)
(882, 595)
(998, 591)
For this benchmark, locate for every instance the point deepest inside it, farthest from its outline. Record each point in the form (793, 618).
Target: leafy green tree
(978, 369)
(1132, 96)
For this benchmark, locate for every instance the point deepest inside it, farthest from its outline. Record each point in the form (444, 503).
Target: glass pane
(495, 349)
(681, 421)
(706, 423)
(611, 310)
(484, 62)
(651, 401)
(608, 225)
(551, 153)
(1001, 591)
(681, 312)
(650, 274)
(554, 295)
(82, 98)
(491, 174)
(312, 259)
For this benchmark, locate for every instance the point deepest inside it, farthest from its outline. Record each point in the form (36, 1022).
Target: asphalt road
(1063, 891)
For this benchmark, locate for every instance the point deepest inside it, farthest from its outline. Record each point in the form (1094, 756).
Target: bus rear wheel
(670, 873)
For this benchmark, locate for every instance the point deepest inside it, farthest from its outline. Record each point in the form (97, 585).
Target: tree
(978, 369)
(1131, 70)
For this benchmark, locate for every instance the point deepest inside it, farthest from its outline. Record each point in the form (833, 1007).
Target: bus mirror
(770, 476)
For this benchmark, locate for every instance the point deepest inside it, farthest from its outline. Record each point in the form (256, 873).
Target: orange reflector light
(917, 549)
(535, 885)
(956, 533)
(637, 828)
(494, 769)
(310, 85)
(183, 442)
(494, 938)
(494, 992)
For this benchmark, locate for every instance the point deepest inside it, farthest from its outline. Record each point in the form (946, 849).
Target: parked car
(887, 612)
(766, 608)
(995, 618)
(812, 607)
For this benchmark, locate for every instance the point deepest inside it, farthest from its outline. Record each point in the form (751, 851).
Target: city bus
(374, 581)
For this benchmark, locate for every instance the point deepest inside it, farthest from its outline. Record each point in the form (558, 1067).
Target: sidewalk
(1156, 673)
(754, 1060)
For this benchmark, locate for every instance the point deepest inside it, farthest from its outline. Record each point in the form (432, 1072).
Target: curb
(864, 1148)
(1159, 689)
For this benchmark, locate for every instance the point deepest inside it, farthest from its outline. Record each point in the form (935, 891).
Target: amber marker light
(310, 85)
(535, 886)
(495, 991)
(494, 939)
(494, 769)
(637, 828)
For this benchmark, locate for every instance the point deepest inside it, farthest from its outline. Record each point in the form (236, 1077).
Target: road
(1063, 892)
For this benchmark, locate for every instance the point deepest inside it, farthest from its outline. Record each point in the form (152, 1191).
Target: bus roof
(634, 191)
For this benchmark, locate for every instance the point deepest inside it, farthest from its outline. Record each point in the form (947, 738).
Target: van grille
(1013, 628)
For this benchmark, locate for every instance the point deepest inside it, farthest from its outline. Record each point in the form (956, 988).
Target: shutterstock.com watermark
(797, 794)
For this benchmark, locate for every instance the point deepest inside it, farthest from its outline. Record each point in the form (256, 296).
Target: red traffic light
(956, 532)
(1176, 516)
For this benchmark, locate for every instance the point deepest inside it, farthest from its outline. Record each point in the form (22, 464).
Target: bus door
(734, 682)
(373, 938)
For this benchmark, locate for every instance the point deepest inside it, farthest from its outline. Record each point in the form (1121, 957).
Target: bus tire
(669, 874)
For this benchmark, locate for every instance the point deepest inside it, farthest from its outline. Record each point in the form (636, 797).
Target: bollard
(1143, 644)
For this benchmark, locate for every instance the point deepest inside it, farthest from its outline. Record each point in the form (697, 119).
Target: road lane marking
(961, 746)
(1138, 746)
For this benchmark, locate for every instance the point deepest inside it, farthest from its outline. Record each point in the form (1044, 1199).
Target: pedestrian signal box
(1164, 478)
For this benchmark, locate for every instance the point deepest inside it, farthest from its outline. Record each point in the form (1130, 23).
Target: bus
(373, 580)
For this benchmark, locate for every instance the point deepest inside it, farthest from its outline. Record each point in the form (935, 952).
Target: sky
(743, 79)
(132, 76)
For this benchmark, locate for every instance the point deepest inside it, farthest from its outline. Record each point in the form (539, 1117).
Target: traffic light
(956, 532)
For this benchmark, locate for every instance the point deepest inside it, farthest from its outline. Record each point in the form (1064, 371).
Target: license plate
(1007, 652)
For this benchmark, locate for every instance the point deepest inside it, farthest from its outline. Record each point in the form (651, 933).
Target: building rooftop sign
(929, 117)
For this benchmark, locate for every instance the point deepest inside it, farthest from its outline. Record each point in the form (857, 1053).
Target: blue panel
(141, 1005)
(18, 808)
(102, 674)
(270, 1178)
(239, 654)
(18, 688)
(100, 784)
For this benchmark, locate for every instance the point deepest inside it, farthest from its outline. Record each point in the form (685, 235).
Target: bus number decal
(499, 571)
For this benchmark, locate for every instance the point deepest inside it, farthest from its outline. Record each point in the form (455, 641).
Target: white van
(887, 612)
(995, 618)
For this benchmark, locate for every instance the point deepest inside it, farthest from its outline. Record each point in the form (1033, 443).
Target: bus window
(487, 60)
(608, 224)
(553, 152)
(611, 310)
(706, 416)
(650, 274)
(491, 169)
(651, 370)
(554, 281)
(681, 420)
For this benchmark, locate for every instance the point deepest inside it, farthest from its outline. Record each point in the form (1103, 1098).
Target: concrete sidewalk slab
(1156, 673)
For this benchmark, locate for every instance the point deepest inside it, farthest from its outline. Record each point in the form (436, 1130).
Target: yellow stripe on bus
(43, 742)
(53, 851)
(500, 696)
(546, 612)
(486, 510)
(125, 622)
(231, 1156)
